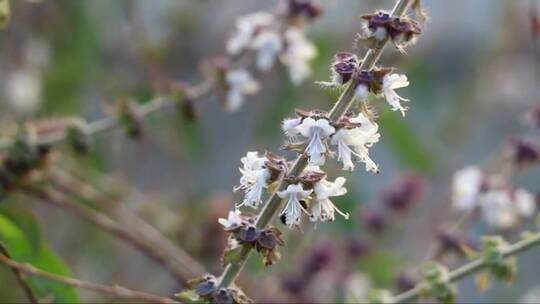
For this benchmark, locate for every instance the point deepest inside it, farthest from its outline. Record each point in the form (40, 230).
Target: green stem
(471, 268)
(341, 106)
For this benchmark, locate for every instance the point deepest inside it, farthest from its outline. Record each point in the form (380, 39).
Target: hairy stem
(110, 122)
(341, 106)
(115, 290)
(471, 268)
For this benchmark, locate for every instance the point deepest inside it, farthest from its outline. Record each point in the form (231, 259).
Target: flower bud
(403, 192)
(523, 152)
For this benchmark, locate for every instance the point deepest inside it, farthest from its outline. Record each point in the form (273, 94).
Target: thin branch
(20, 278)
(176, 258)
(116, 290)
(341, 106)
(107, 123)
(471, 268)
(182, 267)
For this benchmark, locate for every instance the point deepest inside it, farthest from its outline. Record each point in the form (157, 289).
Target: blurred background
(474, 73)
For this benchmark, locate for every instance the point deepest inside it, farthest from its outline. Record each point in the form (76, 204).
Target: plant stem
(161, 250)
(471, 268)
(20, 278)
(115, 290)
(341, 106)
(110, 122)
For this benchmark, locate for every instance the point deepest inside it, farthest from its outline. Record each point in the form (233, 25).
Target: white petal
(466, 188)
(525, 203)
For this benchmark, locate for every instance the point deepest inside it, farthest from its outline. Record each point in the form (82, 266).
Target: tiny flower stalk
(314, 128)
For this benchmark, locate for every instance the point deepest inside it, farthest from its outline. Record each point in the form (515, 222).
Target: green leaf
(13, 238)
(26, 222)
(22, 248)
(5, 13)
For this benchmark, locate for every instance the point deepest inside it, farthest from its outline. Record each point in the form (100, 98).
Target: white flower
(466, 186)
(293, 209)
(268, 45)
(297, 55)
(240, 83)
(246, 27)
(525, 203)
(502, 208)
(498, 209)
(316, 131)
(289, 126)
(232, 220)
(322, 208)
(361, 92)
(23, 88)
(356, 288)
(254, 179)
(390, 83)
(356, 141)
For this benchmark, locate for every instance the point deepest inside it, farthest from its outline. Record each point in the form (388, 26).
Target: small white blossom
(293, 209)
(356, 288)
(390, 83)
(290, 125)
(268, 45)
(466, 187)
(525, 203)
(356, 141)
(246, 28)
(323, 208)
(502, 208)
(254, 179)
(232, 220)
(23, 89)
(298, 53)
(240, 83)
(497, 209)
(361, 92)
(316, 131)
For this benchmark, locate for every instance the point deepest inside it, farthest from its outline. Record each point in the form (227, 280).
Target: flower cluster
(380, 26)
(243, 232)
(303, 187)
(270, 37)
(352, 136)
(308, 193)
(379, 81)
(205, 290)
(257, 174)
(501, 204)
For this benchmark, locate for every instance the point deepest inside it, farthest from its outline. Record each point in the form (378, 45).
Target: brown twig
(171, 252)
(146, 239)
(107, 123)
(20, 277)
(116, 290)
